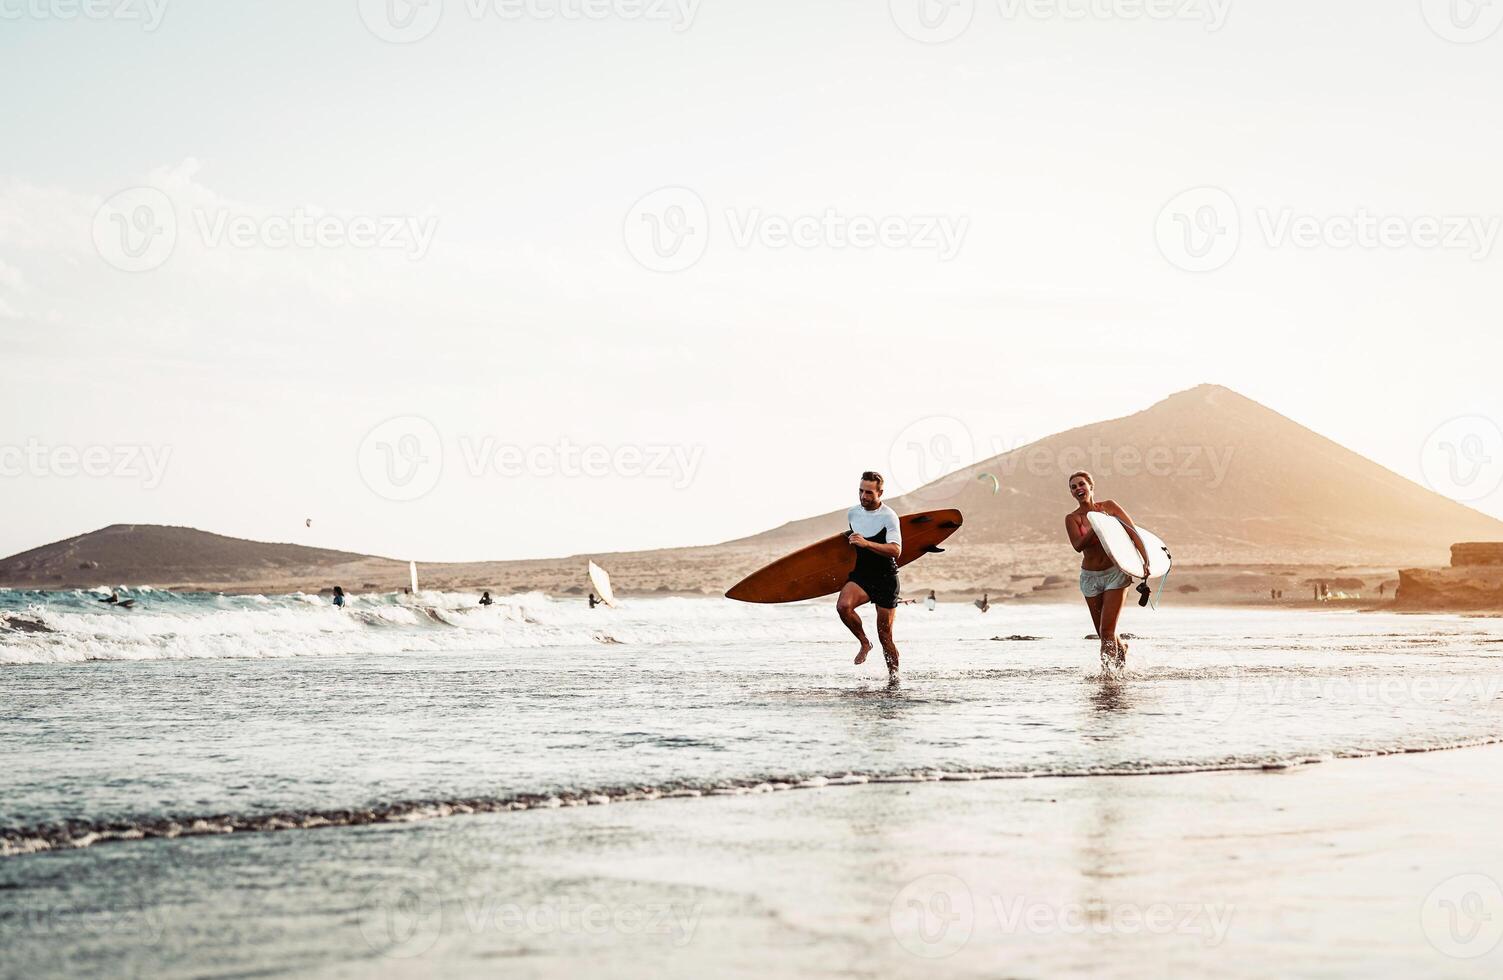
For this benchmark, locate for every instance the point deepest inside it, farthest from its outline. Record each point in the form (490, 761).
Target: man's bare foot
(866, 648)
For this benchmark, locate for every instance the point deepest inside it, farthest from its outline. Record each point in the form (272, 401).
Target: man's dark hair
(874, 477)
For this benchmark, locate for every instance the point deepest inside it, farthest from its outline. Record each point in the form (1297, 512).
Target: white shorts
(1093, 584)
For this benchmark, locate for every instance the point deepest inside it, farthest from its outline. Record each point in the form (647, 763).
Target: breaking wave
(78, 834)
(63, 627)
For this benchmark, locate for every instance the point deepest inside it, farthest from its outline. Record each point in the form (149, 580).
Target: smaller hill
(139, 553)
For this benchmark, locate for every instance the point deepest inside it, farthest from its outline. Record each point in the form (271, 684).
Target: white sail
(412, 571)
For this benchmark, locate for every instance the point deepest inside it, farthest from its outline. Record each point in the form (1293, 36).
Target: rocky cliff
(1477, 553)
(1474, 581)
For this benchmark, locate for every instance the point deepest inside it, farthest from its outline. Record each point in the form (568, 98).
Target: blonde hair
(1088, 477)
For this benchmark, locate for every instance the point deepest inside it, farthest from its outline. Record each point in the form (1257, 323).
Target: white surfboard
(412, 574)
(602, 583)
(1112, 534)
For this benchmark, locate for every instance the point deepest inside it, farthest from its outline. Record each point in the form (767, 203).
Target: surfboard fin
(934, 549)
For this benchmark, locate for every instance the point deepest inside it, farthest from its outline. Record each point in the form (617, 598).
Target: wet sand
(1372, 867)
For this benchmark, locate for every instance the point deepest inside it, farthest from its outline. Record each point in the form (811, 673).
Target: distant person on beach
(877, 536)
(1101, 581)
(1382, 588)
(931, 601)
(984, 603)
(338, 597)
(485, 598)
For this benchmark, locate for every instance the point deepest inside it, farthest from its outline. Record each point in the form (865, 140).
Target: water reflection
(1112, 695)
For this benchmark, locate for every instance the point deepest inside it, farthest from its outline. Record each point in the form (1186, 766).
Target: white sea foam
(75, 626)
(71, 627)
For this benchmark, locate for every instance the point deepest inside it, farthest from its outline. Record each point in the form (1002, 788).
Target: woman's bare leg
(1093, 602)
(1111, 610)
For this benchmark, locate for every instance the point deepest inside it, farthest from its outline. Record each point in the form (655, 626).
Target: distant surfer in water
(485, 598)
(878, 539)
(339, 597)
(1101, 581)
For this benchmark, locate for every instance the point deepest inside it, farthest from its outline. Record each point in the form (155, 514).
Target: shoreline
(82, 835)
(1021, 578)
(1236, 873)
(1335, 870)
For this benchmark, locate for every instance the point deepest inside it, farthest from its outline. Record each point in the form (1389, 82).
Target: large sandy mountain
(1220, 477)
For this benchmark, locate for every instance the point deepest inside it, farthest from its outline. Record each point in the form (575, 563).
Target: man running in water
(878, 539)
(1101, 581)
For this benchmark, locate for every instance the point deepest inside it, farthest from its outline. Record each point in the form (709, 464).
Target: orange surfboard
(822, 568)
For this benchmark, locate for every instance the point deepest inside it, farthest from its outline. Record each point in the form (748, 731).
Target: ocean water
(198, 714)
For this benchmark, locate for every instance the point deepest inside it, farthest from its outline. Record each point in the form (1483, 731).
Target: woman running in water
(1101, 581)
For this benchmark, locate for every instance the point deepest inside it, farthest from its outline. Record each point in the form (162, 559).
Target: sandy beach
(1322, 870)
(1373, 867)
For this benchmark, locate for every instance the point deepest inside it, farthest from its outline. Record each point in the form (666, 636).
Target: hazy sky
(739, 251)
